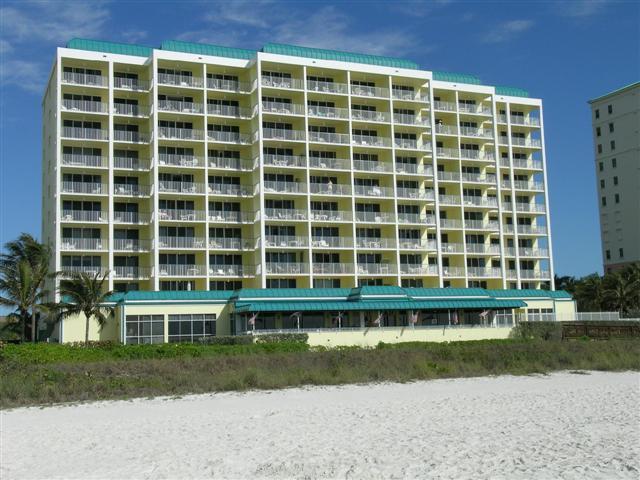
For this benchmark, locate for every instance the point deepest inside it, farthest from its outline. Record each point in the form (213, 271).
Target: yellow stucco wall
(372, 336)
(73, 329)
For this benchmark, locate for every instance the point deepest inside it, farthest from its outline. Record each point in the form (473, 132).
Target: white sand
(559, 426)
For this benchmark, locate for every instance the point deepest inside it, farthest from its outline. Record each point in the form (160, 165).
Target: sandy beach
(564, 425)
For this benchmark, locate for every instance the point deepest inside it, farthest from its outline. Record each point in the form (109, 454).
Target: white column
(546, 202)
(395, 189)
(434, 164)
(154, 169)
(263, 257)
(110, 264)
(498, 163)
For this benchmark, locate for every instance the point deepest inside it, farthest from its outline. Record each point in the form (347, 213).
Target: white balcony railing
(488, 178)
(417, 244)
(85, 188)
(131, 190)
(171, 214)
(330, 163)
(85, 133)
(131, 217)
(179, 80)
(476, 132)
(283, 108)
(534, 274)
(375, 217)
(444, 106)
(416, 269)
(327, 137)
(531, 164)
(94, 244)
(332, 268)
(179, 106)
(448, 176)
(481, 248)
(286, 268)
(167, 270)
(370, 116)
(468, 154)
(226, 163)
(328, 112)
(416, 218)
(84, 79)
(230, 217)
(165, 186)
(171, 133)
(376, 269)
(484, 272)
(229, 137)
(133, 137)
(131, 84)
(481, 225)
(176, 160)
(127, 163)
(226, 189)
(229, 111)
(327, 87)
(280, 82)
(228, 85)
(449, 199)
(88, 269)
(131, 272)
(409, 95)
(285, 241)
(375, 243)
(366, 91)
(225, 243)
(371, 141)
(331, 242)
(285, 214)
(79, 160)
(479, 201)
(282, 134)
(453, 271)
(128, 110)
(450, 223)
(404, 119)
(284, 187)
(331, 216)
(476, 109)
(372, 191)
(285, 160)
(414, 169)
(84, 106)
(181, 242)
(446, 129)
(372, 166)
(131, 245)
(447, 152)
(329, 189)
(223, 270)
(452, 247)
(415, 193)
(533, 252)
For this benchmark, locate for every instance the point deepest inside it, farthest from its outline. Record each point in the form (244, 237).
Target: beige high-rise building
(616, 138)
(199, 167)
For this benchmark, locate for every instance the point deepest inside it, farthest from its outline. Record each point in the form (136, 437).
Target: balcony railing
(453, 271)
(226, 163)
(229, 111)
(285, 214)
(131, 245)
(84, 79)
(331, 216)
(83, 244)
(533, 252)
(282, 134)
(372, 166)
(84, 106)
(417, 244)
(371, 141)
(522, 142)
(444, 106)
(85, 187)
(416, 218)
(223, 270)
(523, 120)
(172, 214)
(474, 109)
(412, 168)
(484, 272)
(131, 272)
(409, 95)
(366, 91)
(480, 201)
(229, 137)
(285, 160)
(376, 269)
(525, 207)
(375, 217)
(476, 132)
(131, 84)
(225, 243)
(330, 163)
(369, 116)
(180, 160)
(449, 199)
(285, 241)
(468, 154)
(179, 106)
(128, 110)
(481, 248)
(171, 133)
(332, 268)
(404, 119)
(523, 163)
(279, 82)
(523, 185)
(286, 268)
(131, 190)
(415, 269)
(452, 248)
(165, 186)
(85, 133)
(534, 274)
(327, 137)
(372, 191)
(415, 193)
(226, 189)
(446, 129)
(448, 176)
(79, 160)
(327, 112)
(229, 85)
(450, 223)
(127, 163)
(331, 242)
(481, 225)
(283, 108)
(131, 217)
(133, 137)
(527, 229)
(375, 242)
(88, 269)
(489, 178)
(327, 87)
(179, 80)
(230, 217)
(329, 189)
(181, 242)
(166, 270)
(284, 187)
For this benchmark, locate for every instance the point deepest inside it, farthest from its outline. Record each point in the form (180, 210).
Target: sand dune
(559, 426)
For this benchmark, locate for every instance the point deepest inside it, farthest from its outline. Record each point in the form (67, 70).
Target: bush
(227, 340)
(537, 330)
(283, 337)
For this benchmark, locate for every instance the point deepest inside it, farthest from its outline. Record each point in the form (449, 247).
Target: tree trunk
(23, 317)
(34, 337)
(86, 330)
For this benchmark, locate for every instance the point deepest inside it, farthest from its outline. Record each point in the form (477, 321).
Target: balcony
(330, 163)
(85, 216)
(376, 269)
(328, 112)
(130, 137)
(89, 188)
(88, 269)
(229, 111)
(449, 199)
(228, 85)
(474, 109)
(417, 244)
(415, 193)
(332, 268)
(327, 87)
(230, 217)
(366, 91)
(490, 202)
(482, 249)
(488, 178)
(93, 244)
(177, 106)
(131, 272)
(375, 217)
(294, 161)
(408, 95)
(179, 80)
(418, 269)
(169, 133)
(372, 166)
(404, 119)
(447, 152)
(180, 187)
(285, 241)
(442, 129)
(284, 187)
(283, 108)
(522, 120)
(533, 252)
(526, 207)
(167, 270)
(89, 80)
(280, 82)
(126, 163)
(522, 163)
(372, 191)
(467, 154)
(286, 268)
(476, 132)
(371, 141)
(416, 218)
(374, 243)
(128, 190)
(127, 110)
(229, 137)
(527, 229)
(414, 169)
(448, 177)
(484, 272)
(171, 214)
(181, 243)
(331, 242)
(522, 142)
(131, 245)
(222, 270)
(452, 248)
(285, 214)
(282, 134)
(369, 116)
(85, 133)
(409, 144)
(236, 164)
(225, 243)
(329, 189)
(534, 274)
(481, 225)
(327, 137)
(524, 185)
(136, 218)
(174, 160)
(85, 106)
(227, 189)
(450, 223)
(444, 106)
(453, 271)
(78, 160)
(331, 216)
(133, 84)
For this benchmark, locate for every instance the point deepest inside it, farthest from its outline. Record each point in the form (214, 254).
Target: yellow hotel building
(199, 167)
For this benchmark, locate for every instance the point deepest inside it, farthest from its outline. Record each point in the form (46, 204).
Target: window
(621, 252)
(598, 132)
(601, 183)
(611, 128)
(326, 283)
(281, 283)
(613, 145)
(615, 180)
(617, 197)
(191, 327)
(604, 201)
(599, 148)
(597, 113)
(610, 109)
(614, 163)
(144, 329)
(601, 166)
(608, 254)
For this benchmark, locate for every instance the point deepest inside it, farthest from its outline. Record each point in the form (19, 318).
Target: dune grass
(59, 376)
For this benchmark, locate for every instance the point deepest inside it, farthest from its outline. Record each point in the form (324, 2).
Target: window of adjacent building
(611, 128)
(615, 180)
(608, 254)
(597, 113)
(598, 132)
(621, 252)
(614, 163)
(610, 109)
(602, 183)
(604, 201)
(617, 198)
(599, 148)
(601, 166)
(613, 144)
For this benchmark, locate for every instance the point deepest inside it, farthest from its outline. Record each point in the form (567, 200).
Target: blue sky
(564, 52)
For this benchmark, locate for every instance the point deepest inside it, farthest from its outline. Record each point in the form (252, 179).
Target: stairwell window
(613, 145)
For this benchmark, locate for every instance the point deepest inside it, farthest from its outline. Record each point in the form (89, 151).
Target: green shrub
(283, 337)
(227, 340)
(537, 330)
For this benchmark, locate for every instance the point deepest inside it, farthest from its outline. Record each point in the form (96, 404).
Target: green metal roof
(275, 293)
(339, 56)
(511, 91)
(206, 49)
(528, 293)
(194, 295)
(457, 77)
(617, 90)
(373, 292)
(446, 292)
(109, 47)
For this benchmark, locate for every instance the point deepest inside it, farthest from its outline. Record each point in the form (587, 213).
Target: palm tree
(621, 290)
(567, 283)
(24, 269)
(84, 293)
(589, 293)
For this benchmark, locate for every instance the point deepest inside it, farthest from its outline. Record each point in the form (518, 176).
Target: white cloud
(30, 76)
(5, 47)
(581, 8)
(507, 31)
(133, 36)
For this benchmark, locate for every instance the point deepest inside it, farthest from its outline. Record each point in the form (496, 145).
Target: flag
(378, 320)
(413, 318)
(454, 318)
(252, 319)
(484, 313)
